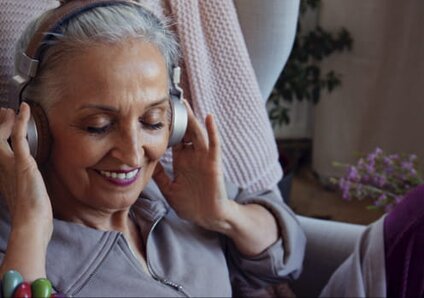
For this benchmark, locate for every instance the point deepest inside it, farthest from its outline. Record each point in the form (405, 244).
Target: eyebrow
(107, 108)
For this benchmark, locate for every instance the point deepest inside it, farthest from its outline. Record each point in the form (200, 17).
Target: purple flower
(394, 157)
(407, 165)
(378, 151)
(381, 200)
(373, 155)
(412, 157)
(388, 161)
(365, 179)
(398, 199)
(370, 168)
(353, 174)
(346, 196)
(345, 187)
(385, 178)
(380, 180)
(391, 162)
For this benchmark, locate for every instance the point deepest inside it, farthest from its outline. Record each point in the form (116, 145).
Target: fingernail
(186, 102)
(21, 106)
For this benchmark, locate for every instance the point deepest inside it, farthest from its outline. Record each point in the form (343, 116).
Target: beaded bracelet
(13, 286)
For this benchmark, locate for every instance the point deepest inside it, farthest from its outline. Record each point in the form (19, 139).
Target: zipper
(92, 274)
(162, 280)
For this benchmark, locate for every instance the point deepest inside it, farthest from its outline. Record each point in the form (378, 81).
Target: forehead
(131, 70)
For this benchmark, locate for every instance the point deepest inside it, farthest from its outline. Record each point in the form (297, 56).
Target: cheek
(71, 152)
(156, 145)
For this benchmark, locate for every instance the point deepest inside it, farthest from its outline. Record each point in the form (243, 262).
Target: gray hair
(100, 25)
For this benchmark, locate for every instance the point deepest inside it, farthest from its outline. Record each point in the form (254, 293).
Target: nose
(128, 147)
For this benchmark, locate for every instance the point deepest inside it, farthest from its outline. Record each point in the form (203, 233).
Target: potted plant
(302, 77)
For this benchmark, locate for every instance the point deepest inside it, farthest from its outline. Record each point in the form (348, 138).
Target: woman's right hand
(25, 193)
(21, 182)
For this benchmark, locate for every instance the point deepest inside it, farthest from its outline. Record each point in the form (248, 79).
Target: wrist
(251, 227)
(32, 219)
(26, 251)
(31, 231)
(226, 222)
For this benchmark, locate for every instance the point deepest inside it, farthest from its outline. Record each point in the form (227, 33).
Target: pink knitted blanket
(14, 15)
(219, 80)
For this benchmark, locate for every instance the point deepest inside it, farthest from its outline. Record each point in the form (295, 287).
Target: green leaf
(316, 91)
(287, 94)
(302, 78)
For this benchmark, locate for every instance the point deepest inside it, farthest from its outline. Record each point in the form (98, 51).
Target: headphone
(38, 134)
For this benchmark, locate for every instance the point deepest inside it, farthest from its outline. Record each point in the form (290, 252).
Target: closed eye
(154, 118)
(152, 126)
(98, 130)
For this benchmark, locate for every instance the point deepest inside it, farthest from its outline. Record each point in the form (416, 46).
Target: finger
(213, 135)
(19, 133)
(195, 133)
(7, 121)
(161, 178)
(176, 149)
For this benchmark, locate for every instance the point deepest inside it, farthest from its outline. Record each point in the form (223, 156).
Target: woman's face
(110, 126)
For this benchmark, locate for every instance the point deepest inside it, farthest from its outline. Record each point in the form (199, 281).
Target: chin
(117, 200)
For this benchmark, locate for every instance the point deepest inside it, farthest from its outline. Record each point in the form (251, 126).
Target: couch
(329, 242)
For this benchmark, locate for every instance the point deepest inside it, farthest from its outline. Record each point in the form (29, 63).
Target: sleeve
(283, 259)
(4, 228)
(363, 273)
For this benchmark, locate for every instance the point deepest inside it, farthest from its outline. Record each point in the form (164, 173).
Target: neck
(105, 220)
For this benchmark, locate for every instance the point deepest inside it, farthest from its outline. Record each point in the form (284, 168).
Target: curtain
(381, 100)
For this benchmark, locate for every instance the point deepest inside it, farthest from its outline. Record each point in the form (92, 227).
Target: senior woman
(91, 219)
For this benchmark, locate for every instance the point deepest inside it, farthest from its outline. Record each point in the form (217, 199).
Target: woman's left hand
(197, 193)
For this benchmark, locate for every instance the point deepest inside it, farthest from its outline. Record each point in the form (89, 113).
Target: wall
(381, 102)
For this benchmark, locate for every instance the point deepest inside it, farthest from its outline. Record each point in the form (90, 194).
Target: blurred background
(353, 82)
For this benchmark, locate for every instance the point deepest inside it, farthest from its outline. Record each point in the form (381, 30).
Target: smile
(120, 178)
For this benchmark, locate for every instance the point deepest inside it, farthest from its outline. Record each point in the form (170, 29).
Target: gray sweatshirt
(183, 259)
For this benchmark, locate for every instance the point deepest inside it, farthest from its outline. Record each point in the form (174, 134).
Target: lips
(120, 178)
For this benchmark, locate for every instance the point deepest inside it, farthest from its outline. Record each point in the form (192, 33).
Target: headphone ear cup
(38, 136)
(179, 120)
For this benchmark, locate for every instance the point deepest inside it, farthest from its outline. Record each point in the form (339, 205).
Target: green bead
(41, 288)
(11, 280)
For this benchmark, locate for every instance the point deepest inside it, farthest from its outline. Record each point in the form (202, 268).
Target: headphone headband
(51, 23)
(27, 64)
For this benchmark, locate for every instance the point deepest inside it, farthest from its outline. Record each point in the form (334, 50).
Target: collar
(75, 251)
